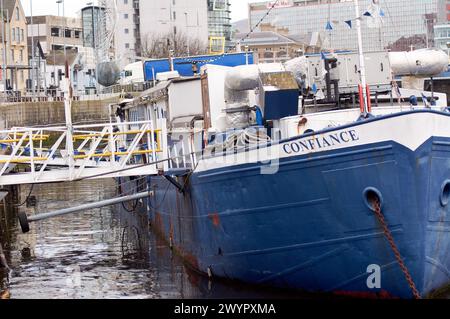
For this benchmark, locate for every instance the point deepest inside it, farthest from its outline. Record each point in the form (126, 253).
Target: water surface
(103, 253)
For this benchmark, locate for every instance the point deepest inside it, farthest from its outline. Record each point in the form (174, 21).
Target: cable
(136, 203)
(168, 187)
(27, 198)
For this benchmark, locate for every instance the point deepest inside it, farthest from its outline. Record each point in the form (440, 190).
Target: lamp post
(64, 24)
(187, 35)
(33, 69)
(4, 75)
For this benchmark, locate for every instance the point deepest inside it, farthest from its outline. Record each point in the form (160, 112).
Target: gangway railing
(58, 154)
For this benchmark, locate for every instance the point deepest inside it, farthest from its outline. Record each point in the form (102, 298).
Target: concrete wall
(52, 113)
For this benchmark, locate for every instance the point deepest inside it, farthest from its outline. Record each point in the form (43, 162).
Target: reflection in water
(103, 253)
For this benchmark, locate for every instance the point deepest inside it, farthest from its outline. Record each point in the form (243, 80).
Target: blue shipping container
(184, 65)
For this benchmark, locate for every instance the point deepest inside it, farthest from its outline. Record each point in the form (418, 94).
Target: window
(18, 34)
(127, 31)
(12, 55)
(125, 16)
(125, 1)
(55, 32)
(127, 45)
(174, 15)
(21, 55)
(13, 31)
(22, 34)
(68, 33)
(77, 34)
(17, 14)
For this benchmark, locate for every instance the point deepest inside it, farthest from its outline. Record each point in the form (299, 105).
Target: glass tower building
(406, 24)
(219, 25)
(91, 17)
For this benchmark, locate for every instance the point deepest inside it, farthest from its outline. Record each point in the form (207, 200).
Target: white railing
(44, 154)
(183, 152)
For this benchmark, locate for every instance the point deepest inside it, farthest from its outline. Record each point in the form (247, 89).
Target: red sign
(280, 4)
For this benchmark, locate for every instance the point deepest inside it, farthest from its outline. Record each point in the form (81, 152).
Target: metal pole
(54, 59)
(4, 75)
(25, 220)
(68, 114)
(33, 69)
(362, 61)
(65, 26)
(8, 25)
(81, 208)
(187, 35)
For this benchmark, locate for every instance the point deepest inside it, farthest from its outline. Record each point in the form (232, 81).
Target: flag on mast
(374, 15)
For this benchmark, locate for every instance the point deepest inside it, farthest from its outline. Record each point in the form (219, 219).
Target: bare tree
(157, 46)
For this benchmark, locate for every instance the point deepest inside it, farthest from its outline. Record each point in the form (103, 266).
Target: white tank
(420, 63)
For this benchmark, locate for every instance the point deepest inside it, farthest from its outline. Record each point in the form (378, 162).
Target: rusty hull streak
(188, 258)
(215, 219)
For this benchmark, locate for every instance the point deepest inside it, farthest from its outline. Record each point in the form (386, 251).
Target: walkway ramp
(63, 154)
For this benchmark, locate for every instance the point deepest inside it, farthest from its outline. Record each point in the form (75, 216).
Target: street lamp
(33, 54)
(187, 34)
(64, 24)
(4, 75)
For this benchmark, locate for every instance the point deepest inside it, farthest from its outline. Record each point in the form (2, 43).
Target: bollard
(25, 221)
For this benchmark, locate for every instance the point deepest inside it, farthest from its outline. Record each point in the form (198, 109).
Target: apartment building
(53, 32)
(13, 48)
(208, 21)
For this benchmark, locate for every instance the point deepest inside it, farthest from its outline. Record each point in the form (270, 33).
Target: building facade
(13, 48)
(90, 22)
(181, 16)
(127, 40)
(405, 24)
(271, 47)
(219, 25)
(442, 37)
(207, 21)
(82, 65)
(55, 32)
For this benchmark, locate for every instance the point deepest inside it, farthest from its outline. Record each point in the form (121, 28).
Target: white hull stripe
(410, 130)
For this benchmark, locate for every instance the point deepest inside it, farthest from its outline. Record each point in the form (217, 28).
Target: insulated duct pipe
(238, 81)
(299, 67)
(419, 63)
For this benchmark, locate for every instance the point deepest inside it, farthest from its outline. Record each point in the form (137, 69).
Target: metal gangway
(120, 148)
(97, 151)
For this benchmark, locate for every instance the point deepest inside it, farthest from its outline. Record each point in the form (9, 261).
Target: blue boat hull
(309, 227)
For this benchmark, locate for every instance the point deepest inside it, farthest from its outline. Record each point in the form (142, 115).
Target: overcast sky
(42, 7)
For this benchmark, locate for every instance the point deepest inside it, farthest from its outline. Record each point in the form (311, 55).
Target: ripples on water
(102, 253)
